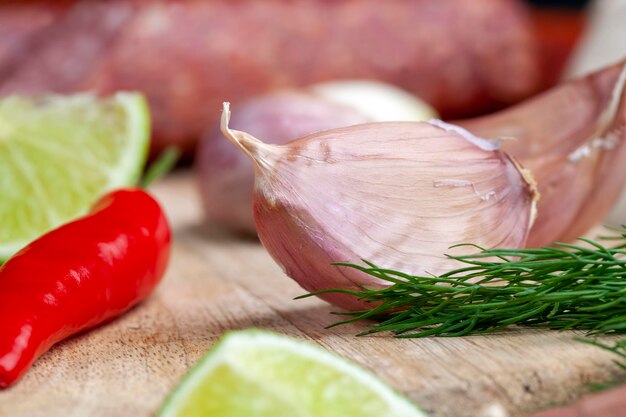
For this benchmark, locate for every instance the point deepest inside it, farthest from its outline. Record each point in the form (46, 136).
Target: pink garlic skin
(549, 131)
(398, 194)
(225, 178)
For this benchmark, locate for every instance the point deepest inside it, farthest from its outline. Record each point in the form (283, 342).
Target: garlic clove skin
(398, 194)
(572, 138)
(225, 178)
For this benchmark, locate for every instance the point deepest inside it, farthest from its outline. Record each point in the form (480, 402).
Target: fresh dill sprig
(566, 286)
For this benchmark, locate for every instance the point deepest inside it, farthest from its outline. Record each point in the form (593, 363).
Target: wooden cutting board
(217, 283)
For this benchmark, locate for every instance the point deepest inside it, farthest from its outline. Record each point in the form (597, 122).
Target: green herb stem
(562, 287)
(163, 164)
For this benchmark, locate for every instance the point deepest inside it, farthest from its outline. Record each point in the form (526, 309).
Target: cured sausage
(462, 56)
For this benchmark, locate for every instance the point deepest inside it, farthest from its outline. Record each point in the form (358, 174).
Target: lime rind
(134, 159)
(240, 351)
(59, 154)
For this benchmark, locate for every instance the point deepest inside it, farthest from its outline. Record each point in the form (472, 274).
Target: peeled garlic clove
(225, 177)
(396, 193)
(572, 138)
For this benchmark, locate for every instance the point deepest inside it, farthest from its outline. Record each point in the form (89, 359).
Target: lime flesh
(59, 154)
(261, 374)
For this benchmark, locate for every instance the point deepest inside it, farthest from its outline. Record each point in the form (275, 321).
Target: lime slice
(59, 154)
(260, 374)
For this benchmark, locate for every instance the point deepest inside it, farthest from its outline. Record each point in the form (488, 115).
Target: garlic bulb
(573, 139)
(225, 177)
(395, 193)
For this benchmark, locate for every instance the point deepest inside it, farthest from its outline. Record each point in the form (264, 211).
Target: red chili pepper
(80, 275)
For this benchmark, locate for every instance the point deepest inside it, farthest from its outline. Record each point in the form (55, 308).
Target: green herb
(163, 164)
(562, 287)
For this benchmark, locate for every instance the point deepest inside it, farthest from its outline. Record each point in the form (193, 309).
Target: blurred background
(462, 58)
(559, 3)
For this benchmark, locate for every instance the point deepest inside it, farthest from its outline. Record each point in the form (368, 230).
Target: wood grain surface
(217, 283)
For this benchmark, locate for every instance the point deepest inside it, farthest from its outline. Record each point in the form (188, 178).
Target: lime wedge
(254, 373)
(59, 154)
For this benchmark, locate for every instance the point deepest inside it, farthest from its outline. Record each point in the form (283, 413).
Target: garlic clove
(396, 193)
(225, 178)
(380, 102)
(609, 146)
(572, 138)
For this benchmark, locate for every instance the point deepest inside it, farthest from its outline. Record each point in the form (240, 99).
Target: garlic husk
(225, 177)
(572, 138)
(396, 193)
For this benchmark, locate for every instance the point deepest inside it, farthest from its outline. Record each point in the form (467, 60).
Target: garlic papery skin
(573, 139)
(395, 193)
(224, 175)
